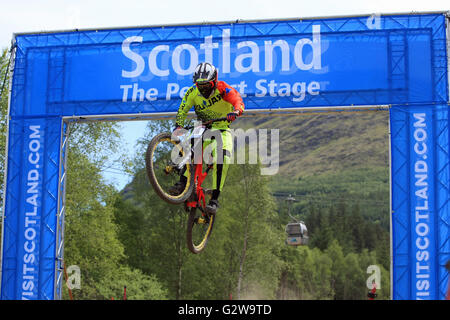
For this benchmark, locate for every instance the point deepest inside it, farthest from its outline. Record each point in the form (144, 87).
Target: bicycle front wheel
(163, 174)
(199, 230)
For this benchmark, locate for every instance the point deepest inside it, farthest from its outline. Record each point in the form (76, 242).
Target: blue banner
(422, 205)
(420, 196)
(30, 217)
(32, 210)
(283, 64)
(293, 66)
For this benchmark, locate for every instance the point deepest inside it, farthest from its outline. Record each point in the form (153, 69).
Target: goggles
(205, 84)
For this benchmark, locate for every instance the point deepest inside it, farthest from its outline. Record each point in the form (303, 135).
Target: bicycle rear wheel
(163, 173)
(199, 230)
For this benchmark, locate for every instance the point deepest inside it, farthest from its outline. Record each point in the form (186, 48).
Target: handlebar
(207, 123)
(214, 120)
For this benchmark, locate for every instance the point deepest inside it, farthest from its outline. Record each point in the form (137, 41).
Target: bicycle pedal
(202, 220)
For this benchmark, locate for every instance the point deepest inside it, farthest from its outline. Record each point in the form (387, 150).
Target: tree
(321, 278)
(152, 230)
(334, 251)
(4, 86)
(253, 214)
(91, 234)
(290, 284)
(356, 228)
(138, 285)
(354, 287)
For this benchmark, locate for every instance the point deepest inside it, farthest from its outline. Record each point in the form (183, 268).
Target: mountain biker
(211, 99)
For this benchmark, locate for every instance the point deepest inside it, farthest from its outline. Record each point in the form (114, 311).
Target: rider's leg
(180, 185)
(220, 171)
(220, 150)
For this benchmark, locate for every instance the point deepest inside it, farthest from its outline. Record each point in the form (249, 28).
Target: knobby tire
(152, 174)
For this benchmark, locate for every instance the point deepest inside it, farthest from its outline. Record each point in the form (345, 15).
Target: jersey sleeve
(185, 106)
(231, 95)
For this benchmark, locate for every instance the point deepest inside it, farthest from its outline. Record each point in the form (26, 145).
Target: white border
(391, 212)
(237, 21)
(151, 116)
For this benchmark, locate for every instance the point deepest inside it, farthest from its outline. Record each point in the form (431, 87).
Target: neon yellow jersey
(224, 100)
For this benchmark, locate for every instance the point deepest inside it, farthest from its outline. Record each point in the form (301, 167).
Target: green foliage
(91, 233)
(347, 226)
(138, 285)
(250, 232)
(152, 233)
(4, 83)
(367, 187)
(91, 241)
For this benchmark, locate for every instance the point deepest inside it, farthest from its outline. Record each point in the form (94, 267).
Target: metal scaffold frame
(44, 102)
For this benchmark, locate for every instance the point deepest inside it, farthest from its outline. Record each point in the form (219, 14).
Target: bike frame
(199, 177)
(198, 180)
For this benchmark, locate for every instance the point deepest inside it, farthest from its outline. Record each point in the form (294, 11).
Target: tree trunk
(179, 278)
(179, 250)
(243, 255)
(230, 272)
(244, 247)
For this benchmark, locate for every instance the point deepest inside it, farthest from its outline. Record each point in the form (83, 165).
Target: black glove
(231, 116)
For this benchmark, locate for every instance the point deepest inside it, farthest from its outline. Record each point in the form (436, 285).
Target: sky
(18, 16)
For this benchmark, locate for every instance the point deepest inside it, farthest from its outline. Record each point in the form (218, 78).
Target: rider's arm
(232, 96)
(185, 106)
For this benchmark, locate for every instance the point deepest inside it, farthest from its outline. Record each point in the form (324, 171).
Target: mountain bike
(167, 159)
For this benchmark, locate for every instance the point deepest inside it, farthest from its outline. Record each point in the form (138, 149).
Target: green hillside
(332, 157)
(320, 144)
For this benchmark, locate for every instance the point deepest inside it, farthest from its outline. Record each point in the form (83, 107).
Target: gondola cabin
(297, 234)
